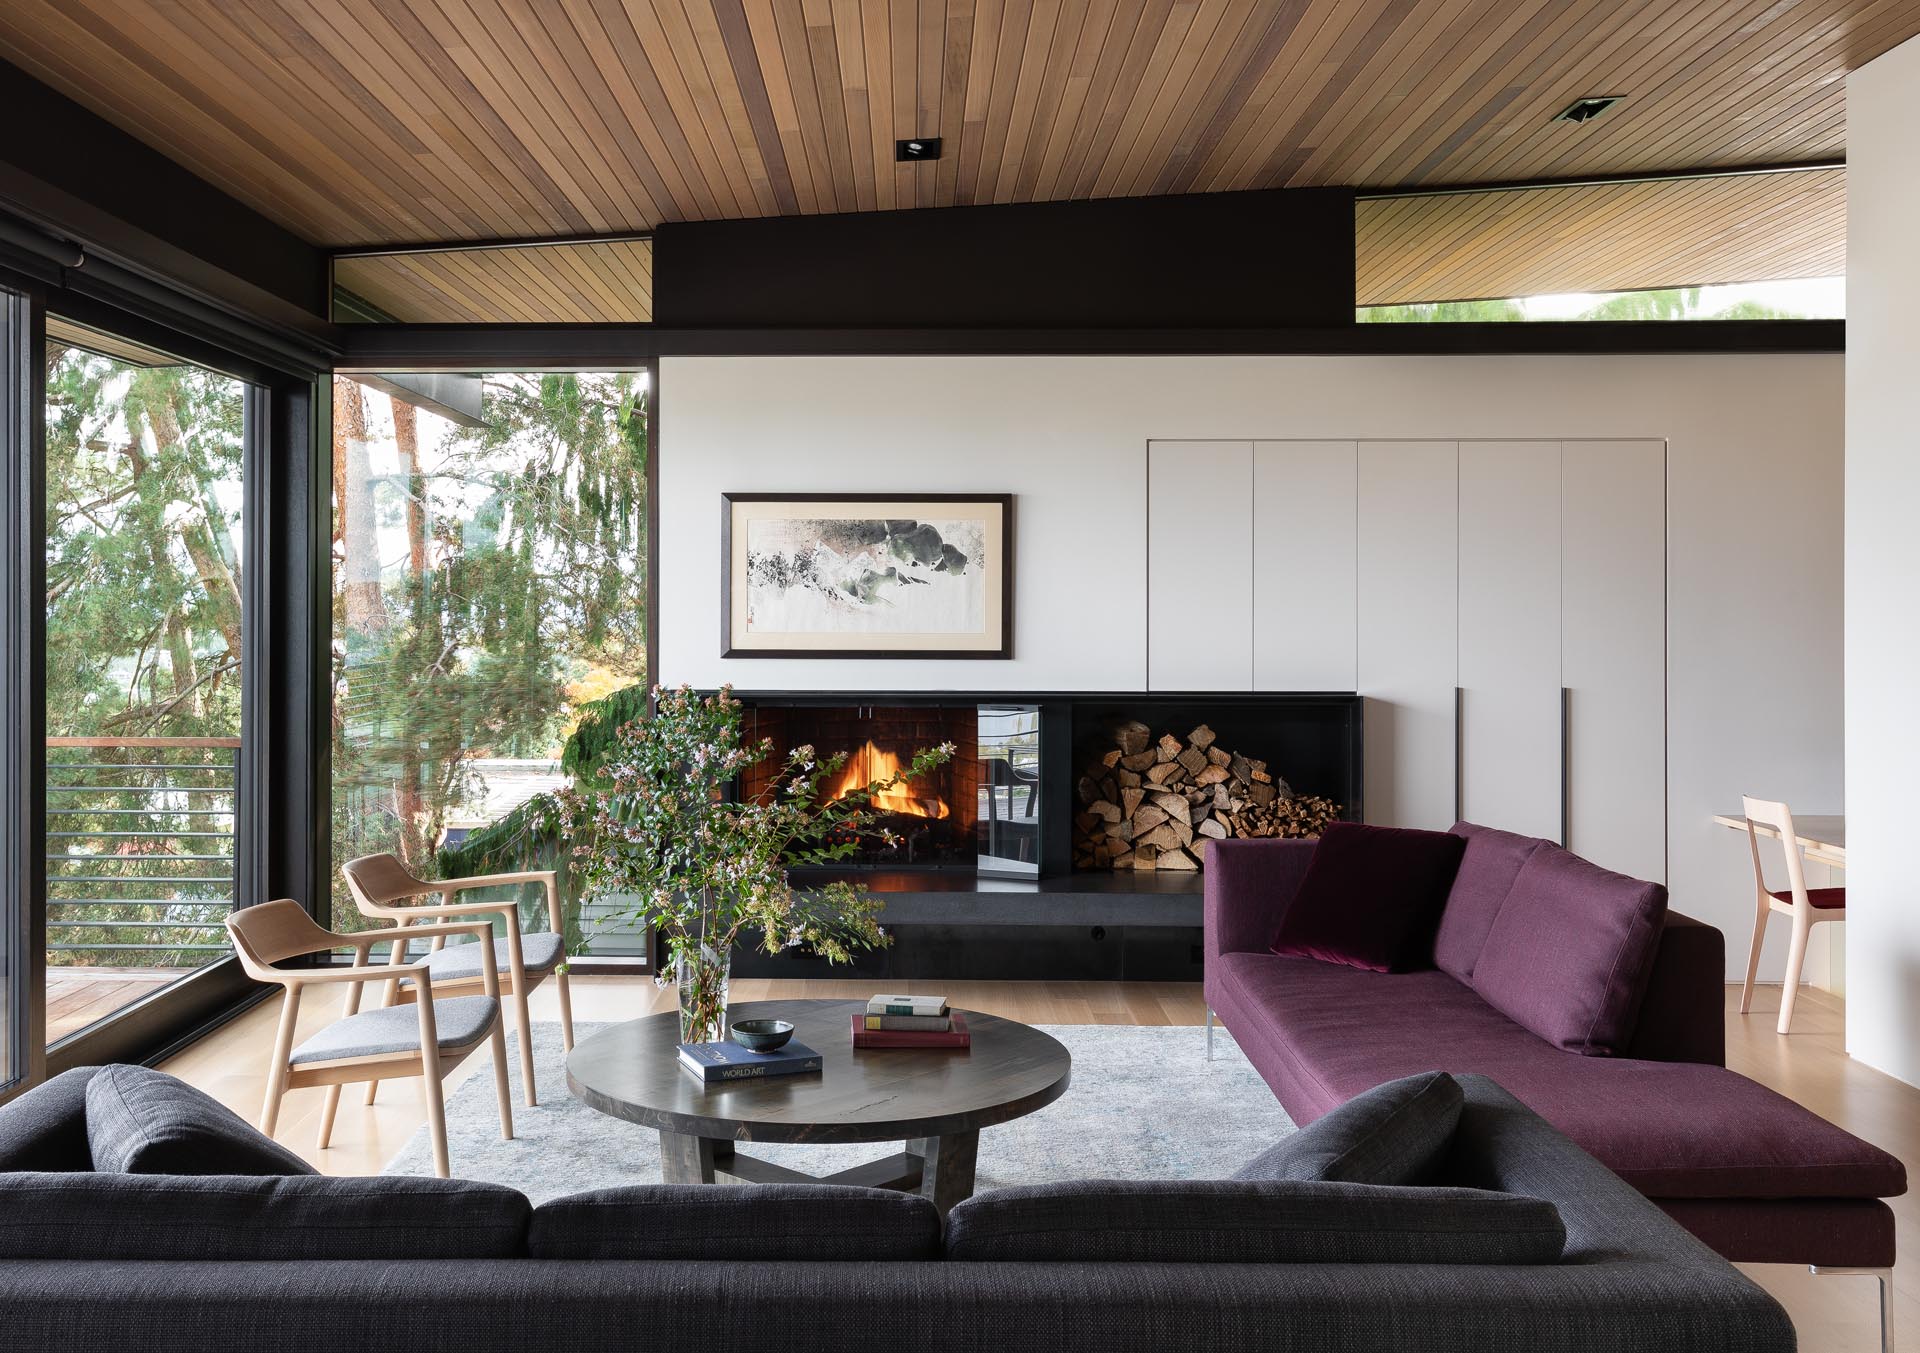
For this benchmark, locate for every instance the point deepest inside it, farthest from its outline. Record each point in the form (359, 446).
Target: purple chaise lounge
(1754, 1175)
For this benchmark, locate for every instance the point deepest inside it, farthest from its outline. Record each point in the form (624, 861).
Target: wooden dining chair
(369, 1045)
(383, 890)
(1806, 906)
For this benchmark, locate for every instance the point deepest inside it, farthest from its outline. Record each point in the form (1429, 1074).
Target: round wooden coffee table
(935, 1100)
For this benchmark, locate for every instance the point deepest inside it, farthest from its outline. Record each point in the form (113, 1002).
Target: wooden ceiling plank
(1143, 40)
(495, 73)
(903, 46)
(1043, 20)
(849, 37)
(930, 55)
(1260, 44)
(1016, 16)
(731, 21)
(682, 70)
(1095, 27)
(770, 56)
(703, 22)
(1114, 46)
(1029, 128)
(790, 21)
(568, 101)
(956, 73)
(876, 42)
(177, 102)
(1193, 80)
(1150, 87)
(981, 57)
(823, 57)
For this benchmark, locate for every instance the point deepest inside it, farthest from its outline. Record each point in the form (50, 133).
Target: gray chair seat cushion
(141, 1121)
(540, 952)
(765, 1222)
(232, 1217)
(458, 1020)
(1204, 1221)
(1395, 1133)
(46, 1128)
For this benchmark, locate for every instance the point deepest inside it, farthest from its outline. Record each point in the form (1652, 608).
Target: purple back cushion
(1569, 954)
(1487, 871)
(1371, 897)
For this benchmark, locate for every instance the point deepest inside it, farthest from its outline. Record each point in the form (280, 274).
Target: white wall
(1754, 486)
(1883, 564)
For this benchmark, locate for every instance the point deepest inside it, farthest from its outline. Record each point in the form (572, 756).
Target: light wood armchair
(369, 1046)
(383, 889)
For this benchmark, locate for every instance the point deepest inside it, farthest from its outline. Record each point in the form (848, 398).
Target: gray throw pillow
(220, 1217)
(46, 1128)
(1393, 1134)
(767, 1221)
(1218, 1221)
(141, 1121)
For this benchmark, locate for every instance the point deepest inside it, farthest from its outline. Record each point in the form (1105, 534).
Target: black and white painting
(864, 575)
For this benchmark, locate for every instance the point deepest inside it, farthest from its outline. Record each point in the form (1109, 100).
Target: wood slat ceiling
(1613, 237)
(555, 284)
(355, 122)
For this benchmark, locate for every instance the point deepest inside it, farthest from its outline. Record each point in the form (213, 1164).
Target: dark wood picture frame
(1005, 563)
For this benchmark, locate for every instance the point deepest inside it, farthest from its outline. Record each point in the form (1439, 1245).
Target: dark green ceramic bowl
(762, 1035)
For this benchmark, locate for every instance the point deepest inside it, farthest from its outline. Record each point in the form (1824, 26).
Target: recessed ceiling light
(1586, 110)
(920, 148)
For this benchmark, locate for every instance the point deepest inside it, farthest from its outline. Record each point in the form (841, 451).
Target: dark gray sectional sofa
(286, 1264)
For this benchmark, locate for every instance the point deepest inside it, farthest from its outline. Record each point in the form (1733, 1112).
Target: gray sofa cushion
(254, 1217)
(46, 1128)
(141, 1121)
(1253, 1222)
(458, 1022)
(767, 1221)
(1395, 1133)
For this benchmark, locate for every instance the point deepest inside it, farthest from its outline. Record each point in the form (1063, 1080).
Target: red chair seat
(1825, 899)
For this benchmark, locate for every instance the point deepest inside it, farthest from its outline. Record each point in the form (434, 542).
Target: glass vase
(701, 973)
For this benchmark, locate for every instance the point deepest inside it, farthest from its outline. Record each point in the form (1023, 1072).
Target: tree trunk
(360, 566)
(186, 672)
(419, 811)
(406, 435)
(216, 579)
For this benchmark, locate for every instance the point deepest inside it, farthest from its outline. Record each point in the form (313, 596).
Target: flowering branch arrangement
(708, 865)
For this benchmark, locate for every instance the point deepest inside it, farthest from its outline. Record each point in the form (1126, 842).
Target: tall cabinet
(1500, 604)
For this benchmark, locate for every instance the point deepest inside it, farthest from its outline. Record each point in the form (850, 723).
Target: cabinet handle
(1459, 751)
(1566, 767)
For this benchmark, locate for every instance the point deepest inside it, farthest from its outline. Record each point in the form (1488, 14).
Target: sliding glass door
(144, 620)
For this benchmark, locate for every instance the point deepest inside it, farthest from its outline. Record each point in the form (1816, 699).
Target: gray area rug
(1144, 1104)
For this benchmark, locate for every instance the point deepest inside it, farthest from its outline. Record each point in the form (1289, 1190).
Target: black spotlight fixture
(920, 148)
(1586, 110)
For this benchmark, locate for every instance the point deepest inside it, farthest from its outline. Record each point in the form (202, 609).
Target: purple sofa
(1566, 954)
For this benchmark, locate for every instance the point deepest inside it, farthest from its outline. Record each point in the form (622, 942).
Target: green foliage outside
(486, 583)
(143, 619)
(1673, 303)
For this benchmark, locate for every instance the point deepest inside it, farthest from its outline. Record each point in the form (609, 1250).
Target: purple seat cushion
(1569, 954)
(1370, 897)
(1487, 870)
(1321, 1035)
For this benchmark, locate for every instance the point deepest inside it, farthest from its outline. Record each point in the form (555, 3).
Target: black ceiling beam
(75, 174)
(509, 347)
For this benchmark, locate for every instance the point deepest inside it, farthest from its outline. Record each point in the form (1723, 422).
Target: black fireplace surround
(974, 899)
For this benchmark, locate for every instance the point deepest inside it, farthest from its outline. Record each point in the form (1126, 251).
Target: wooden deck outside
(77, 997)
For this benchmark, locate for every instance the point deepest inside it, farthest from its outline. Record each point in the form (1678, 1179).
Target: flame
(872, 763)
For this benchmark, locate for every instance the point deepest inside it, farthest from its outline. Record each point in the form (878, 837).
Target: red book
(863, 1037)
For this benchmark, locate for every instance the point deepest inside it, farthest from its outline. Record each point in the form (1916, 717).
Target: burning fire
(872, 763)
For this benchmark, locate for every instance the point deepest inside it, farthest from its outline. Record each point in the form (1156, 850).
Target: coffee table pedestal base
(937, 1168)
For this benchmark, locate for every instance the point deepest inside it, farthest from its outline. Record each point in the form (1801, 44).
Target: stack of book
(714, 1063)
(909, 1022)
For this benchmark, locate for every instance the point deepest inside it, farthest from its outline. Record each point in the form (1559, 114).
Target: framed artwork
(866, 575)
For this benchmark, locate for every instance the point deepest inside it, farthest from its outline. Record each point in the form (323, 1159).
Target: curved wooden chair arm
(549, 878)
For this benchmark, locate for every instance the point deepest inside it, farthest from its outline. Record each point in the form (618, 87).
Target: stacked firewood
(1156, 803)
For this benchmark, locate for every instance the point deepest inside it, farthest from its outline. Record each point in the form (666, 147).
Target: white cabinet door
(1304, 537)
(1199, 566)
(1408, 644)
(1613, 651)
(1510, 636)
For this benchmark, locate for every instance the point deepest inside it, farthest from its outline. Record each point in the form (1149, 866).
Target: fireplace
(934, 817)
(998, 873)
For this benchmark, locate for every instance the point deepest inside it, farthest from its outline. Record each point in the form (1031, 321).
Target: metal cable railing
(140, 849)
